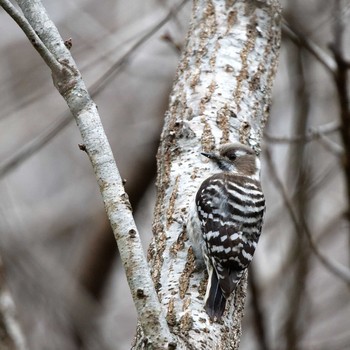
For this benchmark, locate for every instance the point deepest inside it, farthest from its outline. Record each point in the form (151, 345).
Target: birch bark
(222, 92)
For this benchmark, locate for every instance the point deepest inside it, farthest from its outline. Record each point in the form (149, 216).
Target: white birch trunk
(222, 93)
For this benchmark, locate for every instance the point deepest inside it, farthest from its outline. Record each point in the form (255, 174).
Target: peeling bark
(222, 92)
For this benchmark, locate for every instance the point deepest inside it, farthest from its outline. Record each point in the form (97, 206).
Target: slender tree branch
(337, 269)
(340, 342)
(299, 39)
(72, 88)
(96, 88)
(46, 55)
(314, 134)
(342, 82)
(110, 73)
(259, 315)
(33, 146)
(96, 268)
(298, 177)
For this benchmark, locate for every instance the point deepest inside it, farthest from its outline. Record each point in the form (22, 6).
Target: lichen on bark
(221, 93)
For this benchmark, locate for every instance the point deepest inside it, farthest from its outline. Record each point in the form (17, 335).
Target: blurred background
(57, 251)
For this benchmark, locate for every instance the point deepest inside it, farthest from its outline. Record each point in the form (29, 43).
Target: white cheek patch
(240, 153)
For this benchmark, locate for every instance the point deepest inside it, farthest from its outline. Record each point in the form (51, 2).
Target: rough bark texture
(222, 92)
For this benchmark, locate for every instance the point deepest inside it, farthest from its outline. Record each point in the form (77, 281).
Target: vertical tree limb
(295, 323)
(341, 82)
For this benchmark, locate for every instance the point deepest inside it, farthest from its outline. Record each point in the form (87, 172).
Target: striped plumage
(225, 223)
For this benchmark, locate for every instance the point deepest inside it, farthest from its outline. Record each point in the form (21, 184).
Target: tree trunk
(222, 92)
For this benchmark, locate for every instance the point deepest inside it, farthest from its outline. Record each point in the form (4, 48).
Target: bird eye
(232, 156)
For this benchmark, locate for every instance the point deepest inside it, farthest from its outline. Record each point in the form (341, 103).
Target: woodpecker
(225, 220)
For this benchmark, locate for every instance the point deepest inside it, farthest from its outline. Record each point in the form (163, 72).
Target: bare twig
(96, 268)
(314, 134)
(337, 269)
(341, 82)
(299, 39)
(259, 316)
(331, 146)
(167, 37)
(33, 37)
(72, 88)
(298, 176)
(36, 144)
(110, 73)
(340, 342)
(96, 88)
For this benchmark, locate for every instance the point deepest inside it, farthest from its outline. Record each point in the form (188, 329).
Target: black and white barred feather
(225, 223)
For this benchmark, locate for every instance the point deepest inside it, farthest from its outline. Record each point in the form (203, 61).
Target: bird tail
(214, 299)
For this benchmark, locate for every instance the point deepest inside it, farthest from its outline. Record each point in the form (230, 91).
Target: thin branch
(337, 269)
(340, 342)
(96, 88)
(259, 315)
(298, 177)
(33, 37)
(331, 146)
(168, 38)
(313, 134)
(299, 39)
(36, 144)
(342, 86)
(96, 268)
(110, 73)
(73, 90)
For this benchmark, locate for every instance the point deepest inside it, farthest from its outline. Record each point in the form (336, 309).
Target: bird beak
(208, 155)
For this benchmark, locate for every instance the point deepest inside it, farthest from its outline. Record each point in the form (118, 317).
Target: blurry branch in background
(55, 66)
(64, 120)
(313, 134)
(12, 336)
(340, 342)
(168, 38)
(341, 82)
(301, 40)
(259, 318)
(68, 81)
(66, 306)
(295, 322)
(35, 145)
(113, 70)
(330, 64)
(301, 226)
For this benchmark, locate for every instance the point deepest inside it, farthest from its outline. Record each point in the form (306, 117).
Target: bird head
(236, 158)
